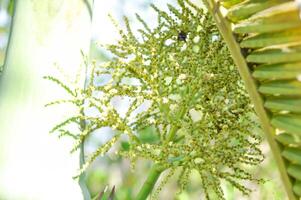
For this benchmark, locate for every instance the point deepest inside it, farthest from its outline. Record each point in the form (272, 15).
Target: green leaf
(289, 123)
(248, 8)
(297, 188)
(294, 171)
(281, 88)
(272, 56)
(278, 71)
(289, 104)
(278, 18)
(288, 139)
(229, 3)
(292, 154)
(266, 48)
(269, 39)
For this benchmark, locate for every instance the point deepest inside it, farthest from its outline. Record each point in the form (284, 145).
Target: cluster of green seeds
(181, 83)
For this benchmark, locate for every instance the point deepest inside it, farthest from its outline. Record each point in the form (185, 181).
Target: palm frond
(264, 38)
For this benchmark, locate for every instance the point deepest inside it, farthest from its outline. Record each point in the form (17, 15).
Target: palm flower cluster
(181, 83)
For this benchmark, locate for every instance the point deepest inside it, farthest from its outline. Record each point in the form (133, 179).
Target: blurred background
(37, 166)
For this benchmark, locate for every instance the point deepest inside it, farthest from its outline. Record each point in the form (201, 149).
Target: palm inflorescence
(180, 82)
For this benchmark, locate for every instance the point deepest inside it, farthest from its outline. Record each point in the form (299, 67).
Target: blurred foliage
(149, 135)
(6, 12)
(97, 54)
(8, 5)
(105, 194)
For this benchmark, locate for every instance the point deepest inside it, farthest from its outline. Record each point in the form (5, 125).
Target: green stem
(250, 85)
(150, 182)
(172, 133)
(82, 177)
(155, 171)
(173, 130)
